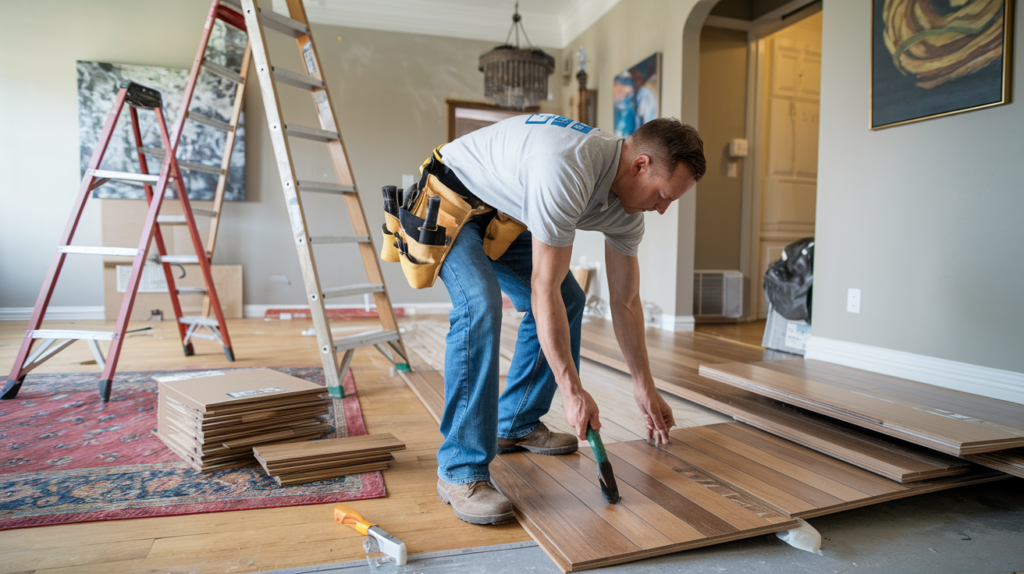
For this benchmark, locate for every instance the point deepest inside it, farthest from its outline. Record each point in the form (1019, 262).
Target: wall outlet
(853, 300)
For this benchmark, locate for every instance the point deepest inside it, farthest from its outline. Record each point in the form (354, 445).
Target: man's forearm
(553, 332)
(628, 321)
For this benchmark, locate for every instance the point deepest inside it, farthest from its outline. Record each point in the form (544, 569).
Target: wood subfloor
(251, 540)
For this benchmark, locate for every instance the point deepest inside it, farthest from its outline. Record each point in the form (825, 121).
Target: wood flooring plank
(587, 523)
(796, 471)
(670, 525)
(424, 390)
(780, 497)
(648, 470)
(565, 545)
(1008, 461)
(918, 423)
(868, 483)
(620, 517)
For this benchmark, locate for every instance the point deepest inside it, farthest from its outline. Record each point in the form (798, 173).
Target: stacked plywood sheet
(212, 420)
(299, 463)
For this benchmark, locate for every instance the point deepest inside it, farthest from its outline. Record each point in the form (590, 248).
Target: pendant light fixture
(515, 77)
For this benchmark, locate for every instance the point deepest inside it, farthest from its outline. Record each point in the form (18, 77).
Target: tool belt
(420, 244)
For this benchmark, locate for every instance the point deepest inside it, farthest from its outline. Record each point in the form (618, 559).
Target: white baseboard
(259, 311)
(54, 312)
(676, 323)
(985, 381)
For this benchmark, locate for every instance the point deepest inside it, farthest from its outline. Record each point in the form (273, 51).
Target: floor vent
(718, 294)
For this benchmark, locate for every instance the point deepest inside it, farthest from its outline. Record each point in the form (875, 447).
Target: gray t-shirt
(551, 173)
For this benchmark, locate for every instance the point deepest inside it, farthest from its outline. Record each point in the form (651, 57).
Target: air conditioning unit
(718, 294)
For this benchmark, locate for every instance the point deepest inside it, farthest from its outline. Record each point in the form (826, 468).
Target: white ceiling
(549, 23)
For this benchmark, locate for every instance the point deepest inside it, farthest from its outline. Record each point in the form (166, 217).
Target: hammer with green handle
(605, 477)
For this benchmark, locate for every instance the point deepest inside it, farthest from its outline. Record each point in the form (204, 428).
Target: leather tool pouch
(421, 263)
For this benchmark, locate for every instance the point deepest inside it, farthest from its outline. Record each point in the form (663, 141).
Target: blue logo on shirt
(559, 121)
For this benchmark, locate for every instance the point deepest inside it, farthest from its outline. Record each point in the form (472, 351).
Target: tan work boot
(475, 502)
(540, 441)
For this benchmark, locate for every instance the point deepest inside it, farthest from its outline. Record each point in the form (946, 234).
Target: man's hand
(657, 414)
(580, 411)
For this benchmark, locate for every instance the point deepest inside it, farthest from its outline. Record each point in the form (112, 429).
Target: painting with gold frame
(933, 58)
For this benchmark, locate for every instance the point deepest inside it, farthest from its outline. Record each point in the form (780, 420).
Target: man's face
(651, 189)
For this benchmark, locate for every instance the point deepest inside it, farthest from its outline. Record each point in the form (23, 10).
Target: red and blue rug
(65, 457)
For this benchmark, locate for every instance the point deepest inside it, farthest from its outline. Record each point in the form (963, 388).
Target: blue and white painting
(214, 97)
(636, 96)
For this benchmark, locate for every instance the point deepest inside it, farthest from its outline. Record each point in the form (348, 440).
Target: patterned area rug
(67, 457)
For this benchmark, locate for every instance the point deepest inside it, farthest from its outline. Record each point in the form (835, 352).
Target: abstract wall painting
(932, 58)
(636, 95)
(213, 97)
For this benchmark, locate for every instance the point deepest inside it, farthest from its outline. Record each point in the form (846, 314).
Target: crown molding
(435, 18)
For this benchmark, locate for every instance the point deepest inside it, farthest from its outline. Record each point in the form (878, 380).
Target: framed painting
(214, 97)
(636, 96)
(933, 58)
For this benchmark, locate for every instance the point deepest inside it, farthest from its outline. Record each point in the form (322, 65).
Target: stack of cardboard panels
(213, 419)
(299, 463)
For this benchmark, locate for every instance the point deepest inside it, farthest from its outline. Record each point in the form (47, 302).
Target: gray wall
(925, 218)
(723, 89)
(388, 90)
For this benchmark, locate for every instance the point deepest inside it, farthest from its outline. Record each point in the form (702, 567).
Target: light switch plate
(737, 147)
(853, 300)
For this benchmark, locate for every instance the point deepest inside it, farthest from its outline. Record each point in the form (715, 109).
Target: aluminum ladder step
(364, 339)
(349, 290)
(311, 133)
(325, 239)
(108, 251)
(186, 165)
(124, 176)
(324, 187)
(70, 334)
(180, 259)
(226, 73)
(291, 78)
(211, 122)
(199, 320)
(180, 219)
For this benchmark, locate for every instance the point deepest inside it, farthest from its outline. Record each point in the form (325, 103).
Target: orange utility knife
(378, 541)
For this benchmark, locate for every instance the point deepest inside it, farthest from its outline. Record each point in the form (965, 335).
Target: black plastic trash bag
(787, 283)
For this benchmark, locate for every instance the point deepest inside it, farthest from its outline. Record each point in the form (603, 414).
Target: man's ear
(641, 164)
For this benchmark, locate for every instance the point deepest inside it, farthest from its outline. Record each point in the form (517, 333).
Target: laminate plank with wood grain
(793, 480)
(675, 359)
(948, 431)
(558, 501)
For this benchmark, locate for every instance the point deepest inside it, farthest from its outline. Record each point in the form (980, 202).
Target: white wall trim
(676, 323)
(976, 379)
(53, 312)
(259, 311)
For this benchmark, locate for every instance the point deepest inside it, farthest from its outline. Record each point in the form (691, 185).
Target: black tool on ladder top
(137, 97)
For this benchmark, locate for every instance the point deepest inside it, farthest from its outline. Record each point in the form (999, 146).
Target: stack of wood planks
(213, 419)
(945, 420)
(299, 463)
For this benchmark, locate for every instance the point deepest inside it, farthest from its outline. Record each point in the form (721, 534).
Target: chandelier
(516, 77)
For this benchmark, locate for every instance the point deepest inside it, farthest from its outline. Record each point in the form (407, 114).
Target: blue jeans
(474, 415)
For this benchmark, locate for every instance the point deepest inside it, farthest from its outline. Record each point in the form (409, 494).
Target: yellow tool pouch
(421, 263)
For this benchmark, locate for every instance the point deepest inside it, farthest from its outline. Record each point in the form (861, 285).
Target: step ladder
(137, 97)
(388, 339)
(203, 63)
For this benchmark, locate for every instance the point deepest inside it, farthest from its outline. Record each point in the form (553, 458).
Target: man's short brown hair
(667, 141)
